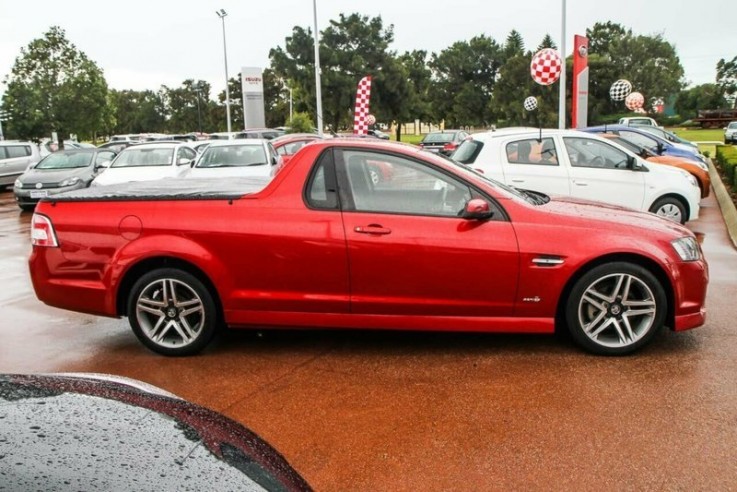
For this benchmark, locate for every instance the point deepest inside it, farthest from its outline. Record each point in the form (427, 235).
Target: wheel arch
(651, 265)
(681, 199)
(149, 264)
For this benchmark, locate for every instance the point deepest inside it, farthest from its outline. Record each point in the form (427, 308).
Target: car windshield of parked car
(438, 137)
(733, 125)
(63, 160)
(144, 157)
(233, 156)
(640, 139)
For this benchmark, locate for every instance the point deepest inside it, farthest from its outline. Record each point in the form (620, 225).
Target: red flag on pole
(363, 96)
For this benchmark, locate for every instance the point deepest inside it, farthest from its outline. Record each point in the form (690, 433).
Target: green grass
(413, 139)
(699, 135)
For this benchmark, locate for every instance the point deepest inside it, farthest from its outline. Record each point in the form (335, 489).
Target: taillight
(42, 232)
(450, 146)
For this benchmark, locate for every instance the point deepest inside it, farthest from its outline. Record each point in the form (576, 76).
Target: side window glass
(3, 154)
(392, 184)
(532, 151)
(18, 151)
(584, 152)
(103, 157)
(321, 189)
(639, 139)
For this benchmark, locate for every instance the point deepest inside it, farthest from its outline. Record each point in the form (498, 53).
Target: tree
(54, 87)
(727, 79)
(602, 35)
(547, 42)
(704, 96)
(351, 47)
(514, 45)
(463, 79)
(300, 123)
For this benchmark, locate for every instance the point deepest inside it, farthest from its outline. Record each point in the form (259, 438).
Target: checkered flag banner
(360, 114)
(546, 66)
(620, 89)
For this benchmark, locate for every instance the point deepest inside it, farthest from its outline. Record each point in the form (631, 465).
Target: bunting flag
(360, 114)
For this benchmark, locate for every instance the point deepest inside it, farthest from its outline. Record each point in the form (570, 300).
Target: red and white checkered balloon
(546, 66)
(370, 120)
(634, 101)
(361, 113)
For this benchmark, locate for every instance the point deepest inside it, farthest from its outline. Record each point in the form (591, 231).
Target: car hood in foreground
(88, 433)
(614, 216)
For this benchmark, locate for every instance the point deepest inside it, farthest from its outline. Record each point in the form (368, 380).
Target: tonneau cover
(168, 189)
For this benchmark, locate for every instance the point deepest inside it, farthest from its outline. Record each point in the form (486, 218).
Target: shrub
(727, 160)
(300, 123)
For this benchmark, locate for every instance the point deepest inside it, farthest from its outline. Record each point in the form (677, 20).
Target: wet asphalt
(429, 411)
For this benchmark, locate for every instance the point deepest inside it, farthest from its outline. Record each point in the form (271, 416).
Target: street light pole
(198, 89)
(222, 13)
(318, 89)
(562, 87)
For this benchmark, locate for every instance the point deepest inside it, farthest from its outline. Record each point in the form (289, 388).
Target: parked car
(652, 142)
(79, 431)
(116, 146)
(437, 247)
(669, 136)
(638, 121)
(64, 170)
(145, 162)
(443, 141)
(730, 133)
(15, 158)
(232, 158)
(266, 133)
(287, 145)
(378, 134)
(697, 169)
(582, 166)
(222, 135)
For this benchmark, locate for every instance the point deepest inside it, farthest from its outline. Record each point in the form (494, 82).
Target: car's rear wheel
(28, 208)
(615, 308)
(172, 312)
(670, 208)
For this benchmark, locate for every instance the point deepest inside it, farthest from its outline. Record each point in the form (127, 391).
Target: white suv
(730, 133)
(584, 166)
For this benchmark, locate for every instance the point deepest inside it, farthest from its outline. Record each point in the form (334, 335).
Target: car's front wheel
(615, 308)
(670, 208)
(172, 312)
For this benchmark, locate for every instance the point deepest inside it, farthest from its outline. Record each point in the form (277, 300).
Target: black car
(98, 432)
(444, 141)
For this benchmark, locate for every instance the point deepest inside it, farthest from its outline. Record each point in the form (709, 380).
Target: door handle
(372, 229)
(518, 181)
(580, 183)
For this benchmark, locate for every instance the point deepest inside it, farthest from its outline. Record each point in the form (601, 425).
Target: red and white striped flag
(363, 96)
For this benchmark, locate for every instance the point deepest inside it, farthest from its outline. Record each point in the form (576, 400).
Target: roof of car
(238, 142)
(531, 132)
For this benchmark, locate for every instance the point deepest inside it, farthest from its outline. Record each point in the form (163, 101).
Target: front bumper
(691, 280)
(31, 196)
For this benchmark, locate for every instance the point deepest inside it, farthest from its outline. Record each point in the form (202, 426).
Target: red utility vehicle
(436, 246)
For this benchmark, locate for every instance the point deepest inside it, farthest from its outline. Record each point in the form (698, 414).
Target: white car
(147, 162)
(638, 121)
(584, 166)
(236, 158)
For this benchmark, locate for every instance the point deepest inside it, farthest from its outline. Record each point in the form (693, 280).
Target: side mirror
(103, 164)
(661, 148)
(478, 209)
(184, 161)
(274, 160)
(633, 164)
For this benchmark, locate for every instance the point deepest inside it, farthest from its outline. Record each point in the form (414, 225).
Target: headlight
(69, 182)
(692, 180)
(687, 248)
(18, 183)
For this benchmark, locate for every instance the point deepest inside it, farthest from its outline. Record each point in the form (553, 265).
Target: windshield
(66, 160)
(733, 125)
(233, 156)
(470, 172)
(144, 157)
(438, 138)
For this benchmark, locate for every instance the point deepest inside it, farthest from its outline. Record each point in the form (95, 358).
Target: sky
(146, 44)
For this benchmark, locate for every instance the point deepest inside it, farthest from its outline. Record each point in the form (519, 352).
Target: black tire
(600, 310)
(172, 312)
(670, 208)
(27, 208)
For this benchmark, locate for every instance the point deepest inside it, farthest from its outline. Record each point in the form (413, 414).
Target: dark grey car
(58, 172)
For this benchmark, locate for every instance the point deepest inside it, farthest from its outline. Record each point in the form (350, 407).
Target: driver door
(410, 253)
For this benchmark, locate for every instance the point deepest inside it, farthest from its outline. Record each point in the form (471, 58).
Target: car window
(185, 153)
(321, 188)
(64, 160)
(438, 137)
(132, 157)
(532, 151)
(732, 126)
(393, 184)
(585, 152)
(103, 157)
(468, 151)
(13, 151)
(640, 139)
(235, 155)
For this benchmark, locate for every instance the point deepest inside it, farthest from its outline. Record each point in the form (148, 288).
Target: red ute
(430, 246)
